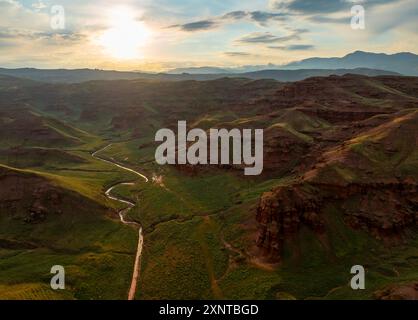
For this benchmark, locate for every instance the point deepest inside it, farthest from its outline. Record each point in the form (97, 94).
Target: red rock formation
(280, 214)
(382, 209)
(398, 292)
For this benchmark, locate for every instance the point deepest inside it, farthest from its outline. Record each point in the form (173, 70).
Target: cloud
(267, 37)
(264, 37)
(196, 26)
(10, 2)
(15, 15)
(328, 19)
(14, 34)
(323, 6)
(295, 47)
(238, 54)
(7, 44)
(260, 17)
(59, 36)
(393, 15)
(39, 5)
(401, 17)
(237, 15)
(243, 55)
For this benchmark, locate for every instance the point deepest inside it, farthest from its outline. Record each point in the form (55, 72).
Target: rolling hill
(405, 63)
(83, 75)
(339, 189)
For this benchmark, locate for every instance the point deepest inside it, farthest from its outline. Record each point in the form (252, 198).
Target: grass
(182, 260)
(290, 129)
(189, 219)
(184, 256)
(32, 291)
(193, 196)
(91, 247)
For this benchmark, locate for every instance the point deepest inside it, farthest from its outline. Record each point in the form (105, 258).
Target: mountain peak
(359, 52)
(405, 63)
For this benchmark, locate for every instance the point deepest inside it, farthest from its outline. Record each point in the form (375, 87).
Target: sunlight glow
(126, 35)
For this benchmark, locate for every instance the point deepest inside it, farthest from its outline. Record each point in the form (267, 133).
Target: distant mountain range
(359, 62)
(202, 70)
(82, 75)
(404, 63)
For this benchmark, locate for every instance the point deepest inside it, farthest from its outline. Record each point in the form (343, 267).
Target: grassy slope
(313, 269)
(185, 255)
(92, 246)
(196, 230)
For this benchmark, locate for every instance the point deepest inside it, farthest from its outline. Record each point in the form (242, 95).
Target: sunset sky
(156, 35)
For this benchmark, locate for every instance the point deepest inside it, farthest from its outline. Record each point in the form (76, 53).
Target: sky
(158, 35)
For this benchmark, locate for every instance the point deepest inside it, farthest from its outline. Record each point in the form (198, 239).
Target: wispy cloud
(18, 34)
(262, 18)
(264, 37)
(267, 37)
(196, 26)
(39, 5)
(294, 47)
(224, 32)
(330, 19)
(238, 54)
(323, 6)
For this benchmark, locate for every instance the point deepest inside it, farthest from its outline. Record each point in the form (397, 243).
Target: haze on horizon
(156, 35)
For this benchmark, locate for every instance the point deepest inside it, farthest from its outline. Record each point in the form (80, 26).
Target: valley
(122, 213)
(80, 187)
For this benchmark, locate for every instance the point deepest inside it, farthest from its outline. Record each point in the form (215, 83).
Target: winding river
(122, 214)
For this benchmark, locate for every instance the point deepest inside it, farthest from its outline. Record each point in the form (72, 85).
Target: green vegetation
(80, 236)
(199, 225)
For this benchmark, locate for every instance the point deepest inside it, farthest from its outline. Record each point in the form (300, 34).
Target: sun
(126, 35)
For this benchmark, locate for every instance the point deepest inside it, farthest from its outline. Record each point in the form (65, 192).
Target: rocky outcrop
(384, 210)
(281, 213)
(33, 199)
(398, 292)
(283, 150)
